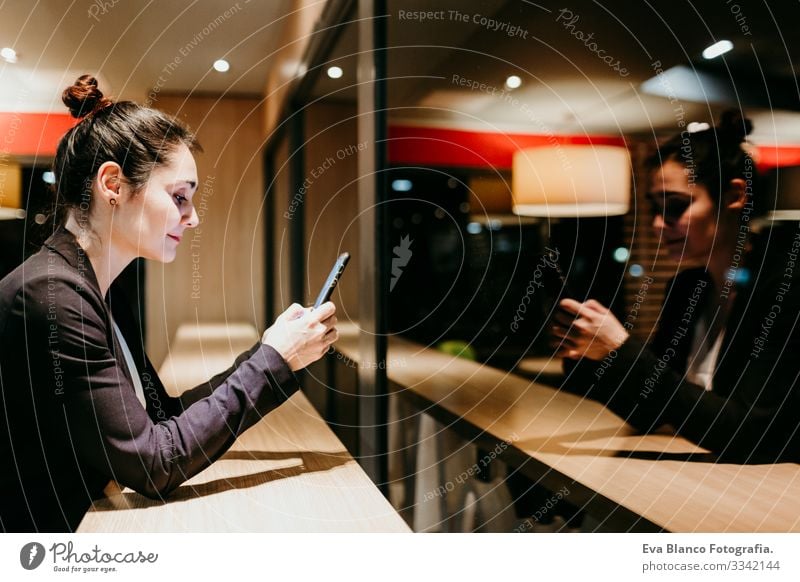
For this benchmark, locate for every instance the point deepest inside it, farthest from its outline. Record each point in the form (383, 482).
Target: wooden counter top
(289, 473)
(625, 480)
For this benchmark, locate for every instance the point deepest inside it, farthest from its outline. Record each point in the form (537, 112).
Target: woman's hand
(586, 330)
(302, 335)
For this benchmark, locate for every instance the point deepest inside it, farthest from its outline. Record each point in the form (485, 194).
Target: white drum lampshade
(571, 181)
(783, 193)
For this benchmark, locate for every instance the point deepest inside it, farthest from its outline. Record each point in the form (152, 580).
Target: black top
(753, 412)
(69, 417)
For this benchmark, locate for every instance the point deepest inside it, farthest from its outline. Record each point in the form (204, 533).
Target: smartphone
(554, 279)
(332, 280)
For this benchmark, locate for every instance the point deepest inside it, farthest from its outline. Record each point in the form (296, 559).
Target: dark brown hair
(137, 138)
(715, 156)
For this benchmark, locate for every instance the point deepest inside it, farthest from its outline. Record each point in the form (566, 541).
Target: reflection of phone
(332, 280)
(554, 279)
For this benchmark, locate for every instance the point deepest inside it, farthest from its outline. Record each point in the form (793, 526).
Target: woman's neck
(106, 261)
(725, 260)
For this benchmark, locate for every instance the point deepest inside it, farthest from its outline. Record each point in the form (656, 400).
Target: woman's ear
(109, 182)
(735, 196)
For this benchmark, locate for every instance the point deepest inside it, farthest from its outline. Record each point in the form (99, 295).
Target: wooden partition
(279, 196)
(331, 201)
(327, 191)
(218, 274)
(328, 185)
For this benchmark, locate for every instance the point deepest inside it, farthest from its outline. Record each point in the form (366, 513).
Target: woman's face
(685, 217)
(152, 222)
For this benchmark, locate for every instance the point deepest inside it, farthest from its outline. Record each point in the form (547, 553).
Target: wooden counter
(624, 480)
(289, 473)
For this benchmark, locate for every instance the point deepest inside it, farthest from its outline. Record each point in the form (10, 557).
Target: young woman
(81, 402)
(723, 367)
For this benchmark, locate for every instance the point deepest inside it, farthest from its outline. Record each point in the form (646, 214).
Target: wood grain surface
(625, 480)
(289, 473)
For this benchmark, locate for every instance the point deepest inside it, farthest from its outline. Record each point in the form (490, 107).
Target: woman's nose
(193, 219)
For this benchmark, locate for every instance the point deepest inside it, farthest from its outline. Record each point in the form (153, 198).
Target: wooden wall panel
(331, 202)
(285, 211)
(218, 275)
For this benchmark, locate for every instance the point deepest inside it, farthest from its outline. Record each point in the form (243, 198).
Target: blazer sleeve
(109, 428)
(756, 417)
(120, 304)
(205, 389)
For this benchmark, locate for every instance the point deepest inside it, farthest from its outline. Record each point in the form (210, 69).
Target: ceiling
(136, 48)
(567, 87)
(140, 48)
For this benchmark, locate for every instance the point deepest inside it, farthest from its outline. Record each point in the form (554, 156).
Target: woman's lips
(175, 238)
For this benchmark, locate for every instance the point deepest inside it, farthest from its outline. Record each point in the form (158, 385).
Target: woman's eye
(180, 199)
(675, 206)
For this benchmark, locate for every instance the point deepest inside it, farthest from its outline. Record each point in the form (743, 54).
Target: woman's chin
(165, 255)
(688, 261)
(679, 253)
(677, 256)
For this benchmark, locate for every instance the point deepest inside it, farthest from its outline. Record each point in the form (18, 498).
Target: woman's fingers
(588, 310)
(596, 306)
(294, 311)
(302, 335)
(569, 324)
(571, 306)
(576, 328)
(562, 319)
(562, 332)
(585, 330)
(330, 322)
(329, 339)
(324, 311)
(563, 343)
(568, 352)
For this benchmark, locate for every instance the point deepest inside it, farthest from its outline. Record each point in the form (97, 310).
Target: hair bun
(734, 125)
(83, 97)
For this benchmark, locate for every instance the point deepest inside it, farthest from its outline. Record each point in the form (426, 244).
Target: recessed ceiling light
(717, 49)
(9, 55)
(696, 126)
(402, 185)
(335, 72)
(513, 82)
(474, 228)
(222, 66)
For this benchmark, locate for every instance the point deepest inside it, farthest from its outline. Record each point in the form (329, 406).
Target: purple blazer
(69, 417)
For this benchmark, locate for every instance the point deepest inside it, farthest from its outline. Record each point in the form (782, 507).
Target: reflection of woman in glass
(81, 403)
(724, 362)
